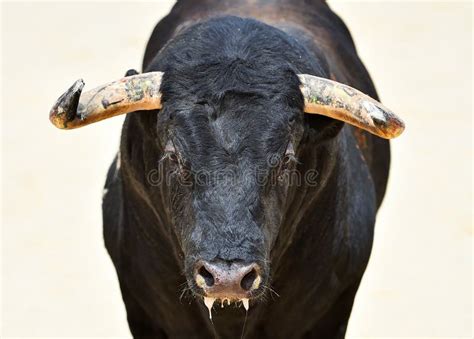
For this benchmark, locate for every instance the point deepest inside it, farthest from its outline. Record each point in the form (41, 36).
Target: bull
(200, 203)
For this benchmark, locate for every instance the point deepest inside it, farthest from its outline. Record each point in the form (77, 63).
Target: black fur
(231, 102)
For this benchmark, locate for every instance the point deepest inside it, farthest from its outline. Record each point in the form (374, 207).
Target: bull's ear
(133, 93)
(344, 103)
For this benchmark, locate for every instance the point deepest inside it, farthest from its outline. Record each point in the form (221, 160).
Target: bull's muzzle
(227, 280)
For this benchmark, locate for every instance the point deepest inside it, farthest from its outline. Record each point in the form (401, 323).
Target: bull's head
(226, 228)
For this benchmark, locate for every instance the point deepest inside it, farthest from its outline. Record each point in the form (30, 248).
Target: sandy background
(57, 279)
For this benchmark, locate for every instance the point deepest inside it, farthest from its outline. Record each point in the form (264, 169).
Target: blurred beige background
(57, 279)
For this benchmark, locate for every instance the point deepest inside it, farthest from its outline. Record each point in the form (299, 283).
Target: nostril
(247, 282)
(206, 275)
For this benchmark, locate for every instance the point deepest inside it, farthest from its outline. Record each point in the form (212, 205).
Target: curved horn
(342, 102)
(134, 93)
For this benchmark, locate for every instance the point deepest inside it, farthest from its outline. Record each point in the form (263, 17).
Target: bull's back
(313, 24)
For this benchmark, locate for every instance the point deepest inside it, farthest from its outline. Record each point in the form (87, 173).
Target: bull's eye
(173, 157)
(179, 169)
(289, 154)
(286, 164)
(170, 153)
(287, 161)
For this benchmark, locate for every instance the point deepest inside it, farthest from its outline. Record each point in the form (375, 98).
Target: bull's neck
(338, 212)
(140, 158)
(310, 202)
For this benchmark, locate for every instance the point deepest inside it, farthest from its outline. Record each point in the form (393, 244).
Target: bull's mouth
(223, 297)
(209, 302)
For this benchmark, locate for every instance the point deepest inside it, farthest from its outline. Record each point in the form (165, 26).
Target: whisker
(186, 291)
(183, 292)
(271, 290)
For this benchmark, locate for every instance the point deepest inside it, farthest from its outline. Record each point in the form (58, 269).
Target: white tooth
(222, 303)
(209, 302)
(245, 302)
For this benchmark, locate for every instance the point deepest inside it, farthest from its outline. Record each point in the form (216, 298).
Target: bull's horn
(132, 93)
(342, 102)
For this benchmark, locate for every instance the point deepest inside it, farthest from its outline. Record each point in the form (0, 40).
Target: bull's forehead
(233, 127)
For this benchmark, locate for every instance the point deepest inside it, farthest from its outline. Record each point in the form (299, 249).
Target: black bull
(307, 239)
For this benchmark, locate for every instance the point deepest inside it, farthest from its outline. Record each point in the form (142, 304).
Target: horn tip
(65, 108)
(399, 130)
(395, 130)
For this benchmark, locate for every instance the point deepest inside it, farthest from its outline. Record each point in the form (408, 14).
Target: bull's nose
(227, 279)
